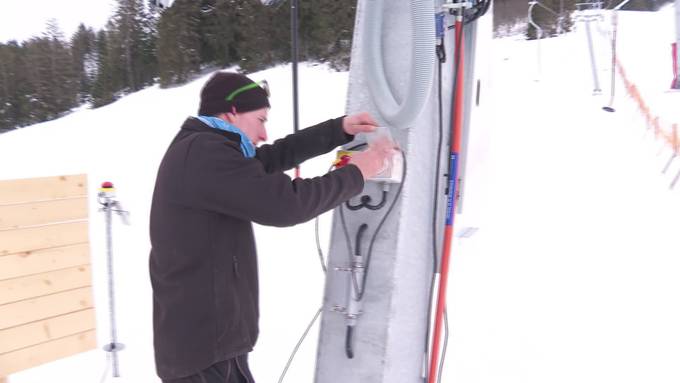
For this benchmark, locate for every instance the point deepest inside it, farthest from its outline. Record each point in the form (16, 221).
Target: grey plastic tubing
(400, 113)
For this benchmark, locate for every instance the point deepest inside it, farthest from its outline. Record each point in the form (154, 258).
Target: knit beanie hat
(225, 84)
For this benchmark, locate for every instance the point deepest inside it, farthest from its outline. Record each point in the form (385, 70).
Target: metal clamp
(343, 310)
(455, 6)
(339, 309)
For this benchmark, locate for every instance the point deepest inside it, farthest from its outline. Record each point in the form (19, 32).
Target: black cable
(366, 203)
(350, 328)
(348, 342)
(382, 222)
(357, 243)
(366, 199)
(349, 336)
(357, 146)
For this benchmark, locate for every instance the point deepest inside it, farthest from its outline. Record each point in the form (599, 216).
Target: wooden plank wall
(46, 307)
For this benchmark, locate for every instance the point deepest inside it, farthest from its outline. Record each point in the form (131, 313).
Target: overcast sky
(22, 19)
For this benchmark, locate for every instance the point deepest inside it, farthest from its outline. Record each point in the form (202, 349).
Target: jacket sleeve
(218, 178)
(292, 150)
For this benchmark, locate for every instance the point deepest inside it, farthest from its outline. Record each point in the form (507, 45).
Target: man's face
(252, 124)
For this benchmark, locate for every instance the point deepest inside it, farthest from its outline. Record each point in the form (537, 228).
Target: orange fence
(669, 134)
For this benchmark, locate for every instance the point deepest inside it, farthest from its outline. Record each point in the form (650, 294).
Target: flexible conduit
(394, 112)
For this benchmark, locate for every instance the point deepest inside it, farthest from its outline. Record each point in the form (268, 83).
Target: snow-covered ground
(572, 277)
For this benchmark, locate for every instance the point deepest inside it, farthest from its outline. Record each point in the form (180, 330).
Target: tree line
(557, 18)
(47, 76)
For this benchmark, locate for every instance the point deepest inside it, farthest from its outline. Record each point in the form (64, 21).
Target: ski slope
(571, 277)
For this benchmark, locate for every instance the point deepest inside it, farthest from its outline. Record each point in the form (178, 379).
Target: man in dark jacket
(212, 184)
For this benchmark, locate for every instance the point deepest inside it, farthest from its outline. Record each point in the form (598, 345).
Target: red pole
(456, 133)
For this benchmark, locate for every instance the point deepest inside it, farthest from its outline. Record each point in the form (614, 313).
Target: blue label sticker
(439, 24)
(450, 205)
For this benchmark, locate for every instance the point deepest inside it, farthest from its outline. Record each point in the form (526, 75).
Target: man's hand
(375, 159)
(358, 123)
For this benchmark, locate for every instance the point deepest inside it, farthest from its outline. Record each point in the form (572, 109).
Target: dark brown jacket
(203, 261)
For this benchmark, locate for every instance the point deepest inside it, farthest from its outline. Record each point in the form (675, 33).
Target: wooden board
(40, 261)
(46, 352)
(35, 309)
(40, 189)
(46, 305)
(15, 338)
(42, 237)
(42, 213)
(32, 286)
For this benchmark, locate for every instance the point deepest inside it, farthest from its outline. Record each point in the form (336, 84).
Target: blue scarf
(247, 146)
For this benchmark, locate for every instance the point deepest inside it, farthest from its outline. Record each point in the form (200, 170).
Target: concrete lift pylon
(389, 338)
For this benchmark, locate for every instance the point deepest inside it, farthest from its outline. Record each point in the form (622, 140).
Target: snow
(572, 275)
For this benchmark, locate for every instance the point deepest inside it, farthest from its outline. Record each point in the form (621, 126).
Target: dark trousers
(234, 370)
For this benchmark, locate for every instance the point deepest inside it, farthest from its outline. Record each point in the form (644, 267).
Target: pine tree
(133, 29)
(251, 37)
(103, 89)
(82, 51)
(217, 30)
(50, 73)
(327, 27)
(64, 77)
(149, 45)
(14, 87)
(115, 59)
(179, 42)
(6, 122)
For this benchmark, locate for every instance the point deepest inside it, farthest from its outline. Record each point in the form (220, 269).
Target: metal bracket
(109, 204)
(356, 267)
(339, 309)
(343, 310)
(456, 6)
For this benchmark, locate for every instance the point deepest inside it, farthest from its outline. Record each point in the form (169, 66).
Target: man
(212, 184)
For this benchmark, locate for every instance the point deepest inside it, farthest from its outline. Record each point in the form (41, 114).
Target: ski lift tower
(588, 12)
(376, 309)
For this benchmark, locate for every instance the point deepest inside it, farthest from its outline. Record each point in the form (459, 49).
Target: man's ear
(229, 117)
